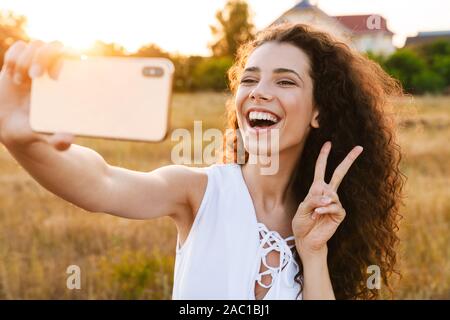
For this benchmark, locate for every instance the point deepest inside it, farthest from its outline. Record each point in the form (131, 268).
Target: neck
(272, 192)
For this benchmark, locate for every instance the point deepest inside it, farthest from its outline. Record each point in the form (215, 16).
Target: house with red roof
(368, 32)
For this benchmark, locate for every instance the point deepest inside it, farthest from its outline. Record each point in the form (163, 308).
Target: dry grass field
(41, 235)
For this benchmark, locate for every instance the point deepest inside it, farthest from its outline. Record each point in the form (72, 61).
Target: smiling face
(275, 92)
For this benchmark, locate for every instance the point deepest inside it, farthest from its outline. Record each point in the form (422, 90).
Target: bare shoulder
(194, 182)
(198, 181)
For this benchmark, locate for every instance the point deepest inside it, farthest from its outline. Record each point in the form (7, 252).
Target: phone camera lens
(153, 72)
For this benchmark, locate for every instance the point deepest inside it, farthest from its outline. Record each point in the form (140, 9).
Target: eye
(248, 81)
(285, 82)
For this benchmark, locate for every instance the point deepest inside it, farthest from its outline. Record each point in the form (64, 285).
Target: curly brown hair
(352, 94)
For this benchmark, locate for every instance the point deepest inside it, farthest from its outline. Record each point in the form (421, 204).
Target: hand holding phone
(21, 62)
(123, 98)
(43, 63)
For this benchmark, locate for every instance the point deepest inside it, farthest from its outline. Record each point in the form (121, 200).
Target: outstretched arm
(75, 173)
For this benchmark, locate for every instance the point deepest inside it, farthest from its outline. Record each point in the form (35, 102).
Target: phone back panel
(109, 97)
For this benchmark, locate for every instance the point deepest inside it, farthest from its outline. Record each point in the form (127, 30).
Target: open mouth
(258, 119)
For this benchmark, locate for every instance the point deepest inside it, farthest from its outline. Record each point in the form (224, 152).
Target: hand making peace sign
(321, 212)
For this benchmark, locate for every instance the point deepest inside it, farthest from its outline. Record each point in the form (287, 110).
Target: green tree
(427, 81)
(378, 58)
(234, 27)
(184, 70)
(437, 55)
(211, 73)
(151, 50)
(404, 64)
(12, 28)
(433, 49)
(441, 65)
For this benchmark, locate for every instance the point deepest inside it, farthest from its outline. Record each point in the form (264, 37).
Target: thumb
(61, 140)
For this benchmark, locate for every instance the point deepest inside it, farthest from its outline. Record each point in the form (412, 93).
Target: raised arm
(75, 173)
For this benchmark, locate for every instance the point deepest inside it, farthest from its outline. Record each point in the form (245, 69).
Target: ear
(315, 119)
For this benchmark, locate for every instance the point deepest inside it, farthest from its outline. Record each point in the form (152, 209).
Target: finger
(45, 59)
(312, 202)
(344, 166)
(334, 209)
(11, 56)
(61, 140)
(24, 61)
(329, 192)
(55, 69)
(65, 53)
(321, 163)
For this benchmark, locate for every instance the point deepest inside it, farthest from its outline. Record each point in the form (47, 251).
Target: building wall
(378, 43)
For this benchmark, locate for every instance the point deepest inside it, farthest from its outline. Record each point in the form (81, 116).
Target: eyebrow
(277, 70)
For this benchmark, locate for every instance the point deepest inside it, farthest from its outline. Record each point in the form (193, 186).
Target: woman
(309, 230)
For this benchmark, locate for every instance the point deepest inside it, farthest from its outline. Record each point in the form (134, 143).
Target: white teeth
(255, 115)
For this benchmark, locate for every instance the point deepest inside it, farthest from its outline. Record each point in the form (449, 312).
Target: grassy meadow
(41, 235)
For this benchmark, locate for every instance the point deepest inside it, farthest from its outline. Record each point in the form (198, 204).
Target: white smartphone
(124, 98)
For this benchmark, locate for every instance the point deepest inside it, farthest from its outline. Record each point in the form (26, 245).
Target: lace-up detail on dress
(270, 241)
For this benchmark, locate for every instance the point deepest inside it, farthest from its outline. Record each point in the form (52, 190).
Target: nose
(260, 93)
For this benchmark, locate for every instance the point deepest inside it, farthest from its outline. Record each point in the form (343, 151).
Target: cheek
(301, 104)
(239, 118)
(239, 97)
(238, 103)
(299, 114)
(298, 109)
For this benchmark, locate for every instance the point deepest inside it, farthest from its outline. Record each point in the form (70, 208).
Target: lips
(262, 110)
(261, 119)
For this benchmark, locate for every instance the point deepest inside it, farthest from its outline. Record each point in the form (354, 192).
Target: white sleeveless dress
(226, 245)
